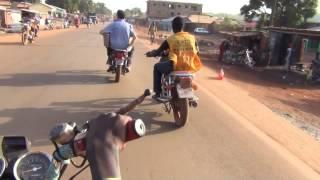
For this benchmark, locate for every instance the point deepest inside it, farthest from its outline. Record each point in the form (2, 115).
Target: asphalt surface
(62, 78)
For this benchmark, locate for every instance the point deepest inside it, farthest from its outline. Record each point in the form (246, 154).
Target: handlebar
(77, 147)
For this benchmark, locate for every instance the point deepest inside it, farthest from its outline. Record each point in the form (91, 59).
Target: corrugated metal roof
(302, 32)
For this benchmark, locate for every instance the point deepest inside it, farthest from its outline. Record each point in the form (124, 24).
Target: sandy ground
(291, 98)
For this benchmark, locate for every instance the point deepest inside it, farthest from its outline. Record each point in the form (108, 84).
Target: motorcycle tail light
(119, 55)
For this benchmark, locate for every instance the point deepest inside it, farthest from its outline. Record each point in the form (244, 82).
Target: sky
(212, 6)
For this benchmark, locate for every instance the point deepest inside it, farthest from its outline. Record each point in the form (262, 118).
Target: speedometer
(32, 166)
(2, 166)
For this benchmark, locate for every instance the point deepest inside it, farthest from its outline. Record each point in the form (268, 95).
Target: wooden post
(302, 46)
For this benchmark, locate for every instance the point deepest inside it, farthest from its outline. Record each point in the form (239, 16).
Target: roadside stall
(27, 13)
(53, 13)
(237, 43)
(10, 20)
(298, 49)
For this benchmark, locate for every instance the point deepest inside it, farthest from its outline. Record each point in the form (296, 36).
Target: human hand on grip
(107, 135)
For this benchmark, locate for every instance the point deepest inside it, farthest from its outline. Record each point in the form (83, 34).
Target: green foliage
(84, 6)
(229, 24)
(290, 13)
(133, 12)
(237, 17)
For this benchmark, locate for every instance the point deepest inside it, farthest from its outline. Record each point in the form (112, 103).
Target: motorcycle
(119, 60)
(242, 57)
(28, 33)
(177, 93)
(247, 59)
(69, 139)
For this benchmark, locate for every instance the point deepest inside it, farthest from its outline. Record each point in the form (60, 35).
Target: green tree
(136, 12)
(83, 6)
(58, 3)
(289, 13)
(128, 12)
(102, 9)
(71, 5)
(229, 24)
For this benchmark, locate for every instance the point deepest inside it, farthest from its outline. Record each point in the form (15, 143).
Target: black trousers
(160, 68)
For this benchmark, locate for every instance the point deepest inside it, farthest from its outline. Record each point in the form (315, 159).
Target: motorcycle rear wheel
(180, 108)
(118, 74)
(24, 38)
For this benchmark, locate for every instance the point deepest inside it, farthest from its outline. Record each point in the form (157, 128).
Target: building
(47, 10)
(201, 21)
(161, 9)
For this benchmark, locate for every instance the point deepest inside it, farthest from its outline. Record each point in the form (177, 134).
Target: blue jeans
(160, 68)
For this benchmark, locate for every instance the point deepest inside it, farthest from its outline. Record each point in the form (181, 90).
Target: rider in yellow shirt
(183, 54)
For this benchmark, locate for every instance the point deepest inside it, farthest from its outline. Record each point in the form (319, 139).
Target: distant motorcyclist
(36, 25)
(89, 21)
(183, 54)
(152, 31)
(122, 36)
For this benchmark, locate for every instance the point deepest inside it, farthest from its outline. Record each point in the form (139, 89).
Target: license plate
(119, 61)
(184, 92)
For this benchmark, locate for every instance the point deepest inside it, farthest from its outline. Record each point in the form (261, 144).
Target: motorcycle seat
(181, 73)
(120, 50)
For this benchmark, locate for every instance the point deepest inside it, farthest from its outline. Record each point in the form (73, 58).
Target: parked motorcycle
(69, 139)
(243, 57)
(28, 33)
(177, 93)
(247, 59)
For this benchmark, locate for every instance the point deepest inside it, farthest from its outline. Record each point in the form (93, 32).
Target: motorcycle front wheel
(180, 108)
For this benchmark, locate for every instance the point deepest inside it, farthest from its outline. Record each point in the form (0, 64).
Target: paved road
(62, 78)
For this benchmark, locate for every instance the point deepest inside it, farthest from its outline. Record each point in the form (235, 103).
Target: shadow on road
(58, 78)
(35, 123)
(10, 44)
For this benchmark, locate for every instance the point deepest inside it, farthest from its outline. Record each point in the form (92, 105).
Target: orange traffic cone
(221, 74)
